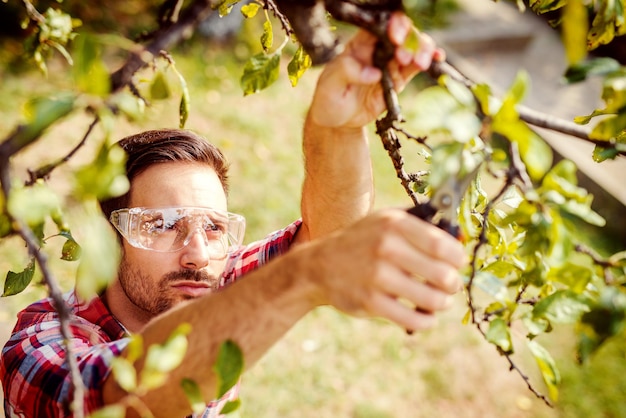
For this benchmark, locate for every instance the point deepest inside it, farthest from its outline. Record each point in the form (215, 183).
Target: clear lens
(170, 229)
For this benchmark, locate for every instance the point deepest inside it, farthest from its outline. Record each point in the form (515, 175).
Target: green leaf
(16, 282)
(574, 276)
(614, 91)
(412, 41)
(40, 114)
(609, 127)
(5, 225)
(517, 91)
(160, 89)
(91, 75)
(228, 366)
(563, 306)
(575, 25)
(606, 319)
(183, 108)
(134, 349)
(598, 66)
(547, 366)
(231, 406)
(105, 176)
(71, 250)
(499, 335)
(584, 120)
(482, 92)
(250, 10)
(163, 358)
(436, 111)
(536, 326)
(124, 373)
(100, 253)
(110, 411)
(128, 104)
(33, 204)
(193, 395)
(260, 72)
(300, 62)
(601, 154)
(185, 99)
(225, 7)
(267, 37)
(489, 283)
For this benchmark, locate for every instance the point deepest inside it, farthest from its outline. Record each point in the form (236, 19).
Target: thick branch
(162, 39)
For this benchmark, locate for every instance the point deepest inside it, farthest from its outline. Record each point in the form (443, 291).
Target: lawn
(329, 365)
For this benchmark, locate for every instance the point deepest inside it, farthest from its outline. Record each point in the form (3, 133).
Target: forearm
(254, 313)
(338, 185)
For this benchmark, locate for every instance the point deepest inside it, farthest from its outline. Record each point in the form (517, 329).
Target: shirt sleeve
(254, 255)
(35, 377)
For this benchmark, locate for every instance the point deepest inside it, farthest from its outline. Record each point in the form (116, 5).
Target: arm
(337, 188)
(362, 270)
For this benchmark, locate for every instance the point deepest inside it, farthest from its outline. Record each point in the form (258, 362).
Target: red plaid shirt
(34, 373)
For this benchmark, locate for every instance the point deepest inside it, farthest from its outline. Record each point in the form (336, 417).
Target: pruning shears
(441, 209)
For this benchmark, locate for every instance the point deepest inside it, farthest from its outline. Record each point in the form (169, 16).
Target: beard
(156, 298)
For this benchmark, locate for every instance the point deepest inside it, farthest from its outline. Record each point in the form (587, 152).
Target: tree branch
(163, 38)
(44, 172)
(528, 115)
(53, 289)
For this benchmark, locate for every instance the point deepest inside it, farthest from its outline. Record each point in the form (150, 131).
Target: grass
(328, 365)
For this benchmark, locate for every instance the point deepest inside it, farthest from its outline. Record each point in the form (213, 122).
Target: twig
(606, 265)
(44, 172)
(284, 22)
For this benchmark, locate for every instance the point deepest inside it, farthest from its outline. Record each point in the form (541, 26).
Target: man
(177, 238)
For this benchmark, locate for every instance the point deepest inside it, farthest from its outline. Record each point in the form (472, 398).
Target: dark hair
(148, 148)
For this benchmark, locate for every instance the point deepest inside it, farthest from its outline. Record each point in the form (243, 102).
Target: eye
(159, 225)
(213, 227)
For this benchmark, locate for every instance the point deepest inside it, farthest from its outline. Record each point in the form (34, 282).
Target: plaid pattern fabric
(35, 377)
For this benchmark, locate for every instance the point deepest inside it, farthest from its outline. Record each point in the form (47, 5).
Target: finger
(352, 71)
(434, 242)
(361, 47)
(424, 54)
(439, 274)
(408, 318)
(420, 294)
(399, 27)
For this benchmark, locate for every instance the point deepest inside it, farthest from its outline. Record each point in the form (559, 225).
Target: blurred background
(331, 365)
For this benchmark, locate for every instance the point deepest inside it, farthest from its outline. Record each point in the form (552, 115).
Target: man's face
(152, 282)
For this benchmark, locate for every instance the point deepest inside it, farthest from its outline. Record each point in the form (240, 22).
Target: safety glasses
(172, 228)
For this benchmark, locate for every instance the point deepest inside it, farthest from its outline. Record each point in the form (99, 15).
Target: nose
(196, 254)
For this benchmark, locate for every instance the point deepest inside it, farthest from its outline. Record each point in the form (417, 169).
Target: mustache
(192, 275)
